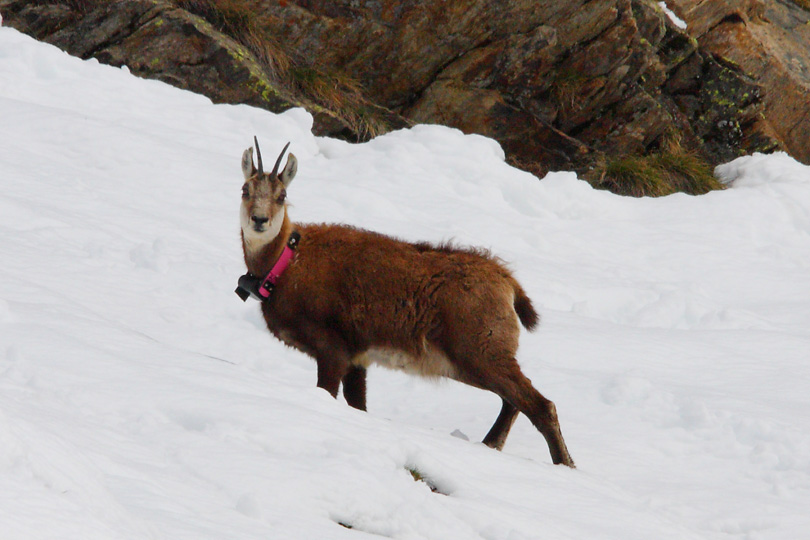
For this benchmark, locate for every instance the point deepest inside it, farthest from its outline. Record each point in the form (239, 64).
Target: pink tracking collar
(261, 289)
(269, 281)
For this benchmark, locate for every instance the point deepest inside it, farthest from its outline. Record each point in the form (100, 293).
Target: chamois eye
(281, 197)
(245, 191)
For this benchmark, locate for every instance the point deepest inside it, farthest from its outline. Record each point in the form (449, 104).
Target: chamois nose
(259, 221)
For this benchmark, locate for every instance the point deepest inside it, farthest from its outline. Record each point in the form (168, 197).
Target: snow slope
(139, 398)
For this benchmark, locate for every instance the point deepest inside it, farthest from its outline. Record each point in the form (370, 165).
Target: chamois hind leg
(354, 387)
(518, 391)
(503, 377)
(500, 429)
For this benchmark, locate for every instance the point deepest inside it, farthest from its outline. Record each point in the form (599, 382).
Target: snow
(677, 21)
(139, 398)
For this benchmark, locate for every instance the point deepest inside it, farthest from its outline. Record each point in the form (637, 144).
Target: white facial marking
(256, 240)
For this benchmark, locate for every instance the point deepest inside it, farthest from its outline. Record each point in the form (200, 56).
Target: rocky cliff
(769, 42)
(562, 84)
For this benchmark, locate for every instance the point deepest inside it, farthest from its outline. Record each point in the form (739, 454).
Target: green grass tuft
(673, 169)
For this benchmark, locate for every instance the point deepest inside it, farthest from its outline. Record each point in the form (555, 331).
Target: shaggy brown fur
(353, 297)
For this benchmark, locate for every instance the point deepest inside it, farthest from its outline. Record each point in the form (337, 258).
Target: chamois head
(263, 195)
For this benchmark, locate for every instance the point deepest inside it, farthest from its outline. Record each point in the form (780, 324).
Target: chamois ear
(289, 171)
(247, 163)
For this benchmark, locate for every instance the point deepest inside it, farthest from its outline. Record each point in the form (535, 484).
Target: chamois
(350, 298)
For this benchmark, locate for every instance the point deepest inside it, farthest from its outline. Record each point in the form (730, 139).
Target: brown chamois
(351, 298)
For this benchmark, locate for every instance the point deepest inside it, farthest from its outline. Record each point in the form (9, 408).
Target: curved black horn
(258, 156)
(278, 161)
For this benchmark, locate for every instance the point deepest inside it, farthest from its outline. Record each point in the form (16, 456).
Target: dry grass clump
(230, 17)
(419, 477)
(673, 169)
(236, 19)
(318, 88)
(342, 96)
(83, 7)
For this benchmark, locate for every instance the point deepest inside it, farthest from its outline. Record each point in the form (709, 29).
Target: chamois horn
(259, 157)
(278, 161)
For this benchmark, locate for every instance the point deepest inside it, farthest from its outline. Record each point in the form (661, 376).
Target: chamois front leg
(330, 373)
(331, 353)
(354, 387)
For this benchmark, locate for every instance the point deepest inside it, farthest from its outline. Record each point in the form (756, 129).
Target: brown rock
(154, 40)
(560, 83)
(769, 41)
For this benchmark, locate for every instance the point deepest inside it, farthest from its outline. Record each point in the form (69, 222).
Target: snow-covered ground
(139, 398)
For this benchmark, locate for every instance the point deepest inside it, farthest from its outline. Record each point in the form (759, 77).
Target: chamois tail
(524, 308)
